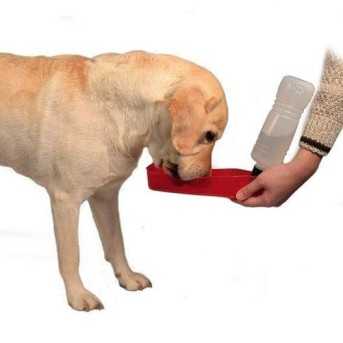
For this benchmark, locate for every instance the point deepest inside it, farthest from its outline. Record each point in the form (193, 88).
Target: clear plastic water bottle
(279, 128)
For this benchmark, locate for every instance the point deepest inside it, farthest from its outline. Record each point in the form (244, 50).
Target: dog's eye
(210, 137)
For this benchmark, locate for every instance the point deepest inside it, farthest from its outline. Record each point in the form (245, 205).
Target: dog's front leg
(65, 211)
(104, 206)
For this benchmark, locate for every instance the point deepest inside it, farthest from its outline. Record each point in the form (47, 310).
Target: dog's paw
(83, 300)
(133, 281)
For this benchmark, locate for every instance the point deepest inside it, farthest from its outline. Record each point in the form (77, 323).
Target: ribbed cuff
(312, 146)
(320, 134)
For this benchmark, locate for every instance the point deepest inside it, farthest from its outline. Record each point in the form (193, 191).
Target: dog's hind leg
(65, 211)
(104, 206)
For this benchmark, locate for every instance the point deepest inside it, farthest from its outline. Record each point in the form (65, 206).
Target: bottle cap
(256, 171)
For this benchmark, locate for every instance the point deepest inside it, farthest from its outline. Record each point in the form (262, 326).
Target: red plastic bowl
(221, 182)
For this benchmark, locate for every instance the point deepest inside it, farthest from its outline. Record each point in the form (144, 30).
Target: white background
(221, 273)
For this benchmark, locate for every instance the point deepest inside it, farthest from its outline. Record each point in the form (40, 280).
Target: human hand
(276, 184)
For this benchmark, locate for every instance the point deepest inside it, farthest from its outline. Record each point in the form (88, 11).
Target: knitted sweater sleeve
(326, 114)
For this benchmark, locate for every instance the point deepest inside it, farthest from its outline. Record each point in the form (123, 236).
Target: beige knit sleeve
(326, 114)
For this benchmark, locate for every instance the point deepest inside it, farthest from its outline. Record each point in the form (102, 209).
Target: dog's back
(21, 75)
(25, 88)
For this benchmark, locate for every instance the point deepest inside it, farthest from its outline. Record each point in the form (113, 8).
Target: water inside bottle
(270, 150)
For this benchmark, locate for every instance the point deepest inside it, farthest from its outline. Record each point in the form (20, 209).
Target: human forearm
(326, 114)
(305, 163)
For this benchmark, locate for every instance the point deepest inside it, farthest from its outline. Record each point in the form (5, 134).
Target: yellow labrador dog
(78, 125)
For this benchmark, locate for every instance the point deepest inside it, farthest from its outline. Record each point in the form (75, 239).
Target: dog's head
(198, 118)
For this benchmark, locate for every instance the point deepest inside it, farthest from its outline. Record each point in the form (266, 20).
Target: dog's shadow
(6, 232)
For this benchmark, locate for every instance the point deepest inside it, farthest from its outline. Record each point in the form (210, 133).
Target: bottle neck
(257, 170)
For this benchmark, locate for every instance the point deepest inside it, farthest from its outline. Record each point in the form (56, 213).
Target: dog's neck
(134, 105)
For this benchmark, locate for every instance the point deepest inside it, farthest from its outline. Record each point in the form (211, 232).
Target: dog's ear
(211, 104)
(188, 111)
(187, 108)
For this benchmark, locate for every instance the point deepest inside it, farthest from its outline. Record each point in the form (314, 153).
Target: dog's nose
(174, 169)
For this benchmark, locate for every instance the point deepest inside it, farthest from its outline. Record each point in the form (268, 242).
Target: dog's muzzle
(174, 170)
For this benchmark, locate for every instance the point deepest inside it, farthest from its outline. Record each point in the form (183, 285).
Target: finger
(255, 202)
(249, 190)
